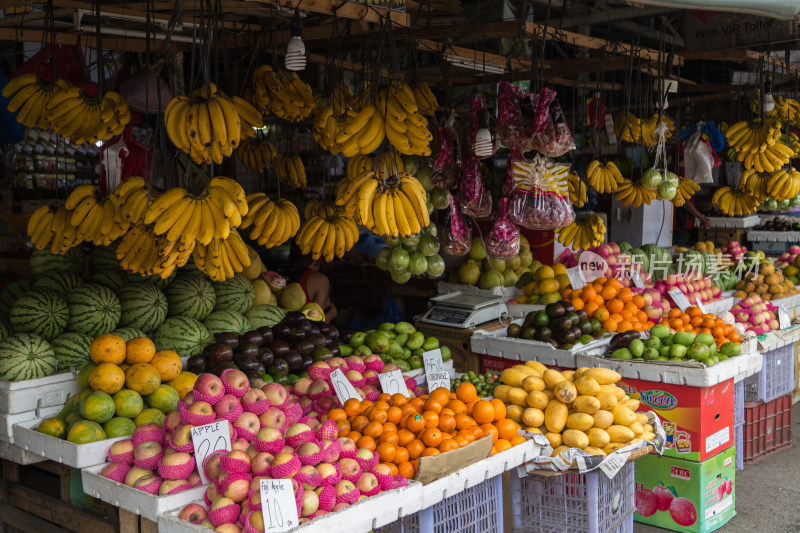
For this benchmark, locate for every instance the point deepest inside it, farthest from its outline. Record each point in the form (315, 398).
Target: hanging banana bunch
(604, 177)
(734, 202)
(49, 228)
(793, 142)
(284, 93)
(316, 208)
(273, 223)
(222, 257)
(648, 129)
(81, 118)
(585, 232)
(634, 194)
(290, 170)
(331, 116)
(577, 190)
(426, 100)
(754, 183)
(783, 184)
(363, 132)
(770, 159)
(133, 196)
(256, 154)
(29, 98)
(751, 136)
(406, 127)
(686, 189)
(327, 236)
(628, 128)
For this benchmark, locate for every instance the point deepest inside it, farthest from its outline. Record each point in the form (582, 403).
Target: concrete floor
(767, 493)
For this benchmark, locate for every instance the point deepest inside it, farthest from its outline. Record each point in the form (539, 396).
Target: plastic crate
(738, 403)
(738, 439)
(574, 503)
(775, 379)
(478, 509)
(767, 428)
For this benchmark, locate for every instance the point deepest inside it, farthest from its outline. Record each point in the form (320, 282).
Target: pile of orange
(401, 430)
(617, 308)
(695, 321)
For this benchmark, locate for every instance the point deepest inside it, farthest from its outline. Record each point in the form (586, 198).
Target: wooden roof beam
(742, 55)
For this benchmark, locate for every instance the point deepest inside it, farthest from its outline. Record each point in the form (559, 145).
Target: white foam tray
(773, 236)
(445, 287)
(497, 344)
(149, 506)
(15, 454)
(733, 222)
(59, 450)
(719, 306)
(520, 310)
(738, 368)
(51, 391)
(364, 516)
(780, 338)
(7, 421)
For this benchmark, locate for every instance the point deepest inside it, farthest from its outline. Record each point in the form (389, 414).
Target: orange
(506, 428)
(518, 439)
(394, 414)
(433, 405)
(608, 292)
(408, 409)
(384, 396)
(601, 314)
(354, 436)
(386, 451)
(389, 437)
(577, 303)
(440, 395)
(431, 419)
(499, 409)
(377, 415)
(693, 311)
(638, 301)
(483, 412)
(352, 407)
(404, 436)
(625, 325)
(337, 414)
(344, 426)
(464, 421)
(359, 422)
(366, 442)
(625, 294)
(406, 469)
(431, 437)
(641, 316)
(446, 411)
(415, 448)
(493, 451)
(457, 406)
(415, 423)
(394, 468)
(674, 313)
(463, 441)
(466, 392)
(418, 403)
(577, 293)
(139, 350)
(489, 429)
(401, 455)
(502, 445)
(591, 308)
(382, 405)
(388, 426)
(448, 444)
(427, 452)
(373, 429)
(447, 423)
(168, 364)
(588, 294)
(398, 399)
(610, 325)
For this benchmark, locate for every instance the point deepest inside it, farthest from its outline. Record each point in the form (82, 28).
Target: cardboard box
(698, 421)
(705, 492)
(458, 340)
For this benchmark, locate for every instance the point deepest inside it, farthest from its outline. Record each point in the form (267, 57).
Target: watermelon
(113, 279)
(61, 281)
(5, 329)
(11, 293)
(71, 350)
(93, 309)
(222, 321)
(181, 334)
(155, 279)
(264, 315)
(143, 305)
(103, 259)
(41, 312)
(190, 268)
(191, 296)
(235, 294)
(129, 333)
(43, 261)
(26, 356)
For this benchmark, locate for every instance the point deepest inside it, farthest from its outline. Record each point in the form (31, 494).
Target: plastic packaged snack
(446, 166)
(473, 196)
(457, 234)
(541, 195)
(503, 241)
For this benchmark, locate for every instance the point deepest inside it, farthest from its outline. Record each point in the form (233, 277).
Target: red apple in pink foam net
(683, 512)
(276, 393)
(272, 418)
(172, 420)
(326, 403)
(301, 386)
(194, 512)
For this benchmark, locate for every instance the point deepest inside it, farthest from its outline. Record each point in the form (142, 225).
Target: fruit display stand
(26, 396)
(464, 357)
(15, 454)
(59, 450)
(733, 222)
(773, 241)
(790, 303)
(718, 307)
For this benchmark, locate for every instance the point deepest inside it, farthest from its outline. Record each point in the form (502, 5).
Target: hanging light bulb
(483, 137)
(768, 103)
(296, 49)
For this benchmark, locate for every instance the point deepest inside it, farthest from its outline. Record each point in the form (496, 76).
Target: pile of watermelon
(47, 325)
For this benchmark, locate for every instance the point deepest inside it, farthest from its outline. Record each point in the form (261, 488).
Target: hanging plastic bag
(508, 185)
(473, 197)
(457, 234)
(446, 166)
(541, 195)
(698, 159)
(503, 241)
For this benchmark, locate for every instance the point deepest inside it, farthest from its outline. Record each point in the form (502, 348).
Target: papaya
(165, 399)
(55, 427)
(119, 427)
(97, 407)
(85, 431)
(107, 377)
(128, 403)
(183, 383)
(143, 378)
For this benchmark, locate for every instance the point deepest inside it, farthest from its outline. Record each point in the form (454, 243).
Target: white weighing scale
(464, 310)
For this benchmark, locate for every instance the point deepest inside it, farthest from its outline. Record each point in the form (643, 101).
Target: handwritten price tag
(637, 279)
(679, 298)
(783, 318)
(344, 389)
(207, 440)
(435, 372)
(278, 507)
(576, 278)
(393, 383)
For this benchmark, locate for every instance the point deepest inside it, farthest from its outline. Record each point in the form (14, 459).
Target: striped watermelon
(235, 294)
(191, 296)
(43, 261)
(221, 321)
(41, 312)
(11, 293)
(61, 281)
(264, 315)
(143, 305)
(25, 356)
(102, 259)
(183, 335)
(71, 350)
(129, 333)
(93, 309)
(155, 279)
(113, 279)
(5, 329)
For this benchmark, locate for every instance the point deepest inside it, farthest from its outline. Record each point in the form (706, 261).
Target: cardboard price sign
(435, 372)
(576, 278)
(278, 507)
(208, 439)
(679, 298)
(393, 383)
(783, 318)
(637, 279)
(342, 386)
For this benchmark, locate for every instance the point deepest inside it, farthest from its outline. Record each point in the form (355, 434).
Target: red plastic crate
(767, 428)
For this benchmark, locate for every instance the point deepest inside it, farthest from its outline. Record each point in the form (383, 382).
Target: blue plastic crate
(574, 503)
(775, 379)
(738, 434)
(738, 403)
(478, 509)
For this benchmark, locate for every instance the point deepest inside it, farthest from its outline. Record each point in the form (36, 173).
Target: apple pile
(695, 286)
(736, 251)
(752, 314)
(788, 257)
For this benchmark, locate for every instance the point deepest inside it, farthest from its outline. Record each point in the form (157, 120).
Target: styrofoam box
(521, 310)
(773, 236)
(59, 450)
(364, 516)
(497, 344)
(7, 421)
(445, 287)
(21, 396)
(719, 306)
(149, 506)
(15, 454)
(733, 222)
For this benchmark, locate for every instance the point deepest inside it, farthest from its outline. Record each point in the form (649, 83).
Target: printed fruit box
(697, 421)
(684, 495)
(59, 450)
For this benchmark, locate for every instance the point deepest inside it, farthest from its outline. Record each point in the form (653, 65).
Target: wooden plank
(742, 54)
(348, 10)
(591, 65)
(23, 521)
(82, 39)
(10, 470)
(147, 526)
(128, 522)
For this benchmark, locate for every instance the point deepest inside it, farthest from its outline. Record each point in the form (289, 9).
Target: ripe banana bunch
(577, 190)
(29, 98)
(98, 218)
(363, 132)
(273, 223)
(793, 142)
(133, 196)
(81, 118)
(634, 194)
(769, 160)
(328, 125)
(754, 136)
(327, 236)
(316, 208)
(648, 129)
(406, 127)
(734, 202)
(221, 258)
(788, 110)
(686, 189)
(426, 100)
(290, 170)
(287, 96)
(755, 184)
(628, 128)
(722, 126)
(604, 177)
(145, 253)
(40, 226)
(783, 184)
(256, 154)
(583, 233)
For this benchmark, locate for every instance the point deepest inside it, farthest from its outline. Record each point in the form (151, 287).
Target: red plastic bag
(446, 166)
(503, 241)
(457, 235)
(475, 200)
(541, 195)
(508, 185)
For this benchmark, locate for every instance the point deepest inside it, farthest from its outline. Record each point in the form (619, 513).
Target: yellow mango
(565, 391)
(575, 439)
(532, 417)
(536, 365)
(537, 399)
(607, 400)
(603, 376)
(586, 404)
(580, 421)
(517, 395)
(620, 433)
(587, 386)
(623, 416)
(533, 383)
(594, 451)
(552, 377)
(603, 419)
(554, 439)
(555, 416)
(598, 437)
